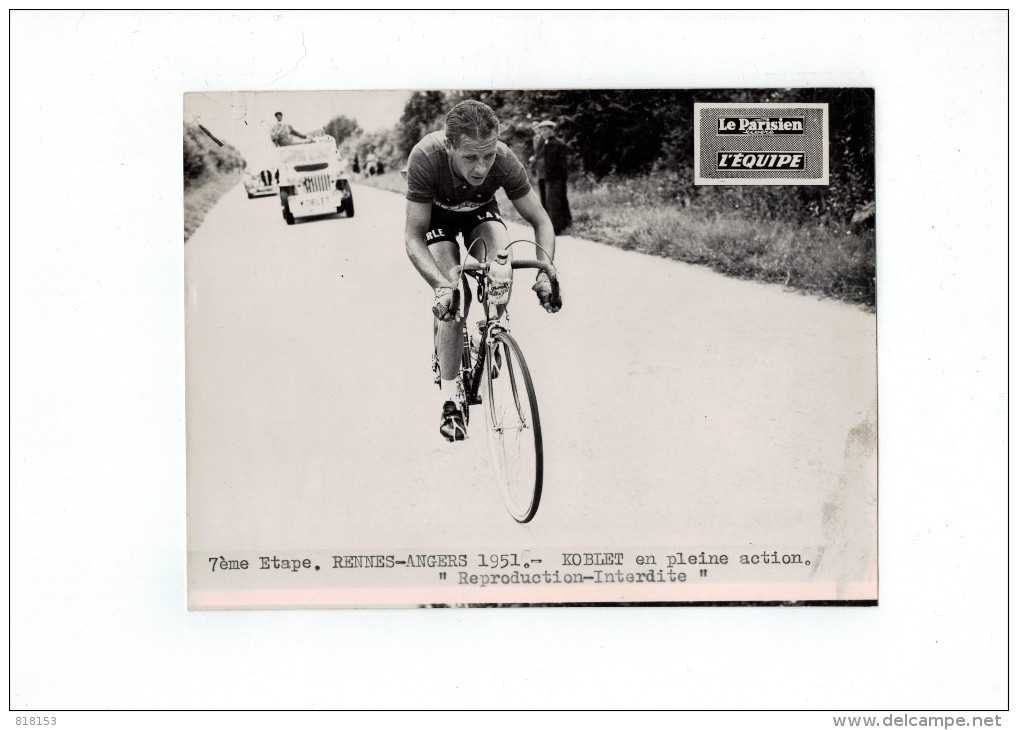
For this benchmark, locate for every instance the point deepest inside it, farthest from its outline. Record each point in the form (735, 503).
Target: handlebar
(482, 268)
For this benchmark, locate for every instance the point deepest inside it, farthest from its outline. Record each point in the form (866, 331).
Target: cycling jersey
(431, 177)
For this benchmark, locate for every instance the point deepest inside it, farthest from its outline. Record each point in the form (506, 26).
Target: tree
(422, 113)
(341, 127)
(618, 131)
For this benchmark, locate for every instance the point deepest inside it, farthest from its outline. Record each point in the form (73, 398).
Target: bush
(203, 157)
(209, 171)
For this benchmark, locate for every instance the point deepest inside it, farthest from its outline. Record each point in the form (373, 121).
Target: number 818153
(33, 720)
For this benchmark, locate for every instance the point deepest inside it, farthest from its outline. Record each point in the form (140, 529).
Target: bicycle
(494, 373)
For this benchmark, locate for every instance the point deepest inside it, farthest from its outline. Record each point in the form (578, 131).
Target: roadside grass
(391, 181)
(811, 258)
(822, 258)
(201, 195)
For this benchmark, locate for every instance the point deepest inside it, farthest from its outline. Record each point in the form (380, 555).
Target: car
(260, 183)
(313, 180)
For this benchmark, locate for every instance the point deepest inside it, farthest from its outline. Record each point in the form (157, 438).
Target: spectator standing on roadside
(283, 134)
(551, 168)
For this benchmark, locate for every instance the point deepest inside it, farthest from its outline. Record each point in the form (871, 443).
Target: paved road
(683, 411)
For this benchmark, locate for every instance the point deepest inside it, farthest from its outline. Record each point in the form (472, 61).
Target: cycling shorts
(446, 224)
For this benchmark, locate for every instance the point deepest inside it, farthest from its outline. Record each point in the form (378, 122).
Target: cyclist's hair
(470, 119)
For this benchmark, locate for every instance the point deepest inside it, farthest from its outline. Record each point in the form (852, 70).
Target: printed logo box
(761, 144)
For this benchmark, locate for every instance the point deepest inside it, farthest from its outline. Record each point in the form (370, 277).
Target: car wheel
(284, 200)
(347, 206)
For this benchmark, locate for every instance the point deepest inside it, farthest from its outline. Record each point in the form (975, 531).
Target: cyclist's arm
(529, 206)
(418, 219)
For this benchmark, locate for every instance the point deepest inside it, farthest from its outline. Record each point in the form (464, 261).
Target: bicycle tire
(513, 424)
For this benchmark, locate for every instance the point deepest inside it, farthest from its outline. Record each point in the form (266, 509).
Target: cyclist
(452, 176)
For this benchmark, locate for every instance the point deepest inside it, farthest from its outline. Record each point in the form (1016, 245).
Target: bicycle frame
(472, 369)
(514, 434)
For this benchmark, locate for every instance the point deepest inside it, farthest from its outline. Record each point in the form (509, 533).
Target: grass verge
(201, 195)
(818, 258)
(391, 181)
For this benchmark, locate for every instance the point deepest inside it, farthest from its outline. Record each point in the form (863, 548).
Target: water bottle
(500, 279)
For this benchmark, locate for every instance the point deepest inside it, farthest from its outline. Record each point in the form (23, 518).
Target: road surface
(683, 412)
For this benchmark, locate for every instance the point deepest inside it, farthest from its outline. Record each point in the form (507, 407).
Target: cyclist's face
(473, 158)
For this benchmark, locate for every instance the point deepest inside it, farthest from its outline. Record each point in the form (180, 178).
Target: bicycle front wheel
(514, 427)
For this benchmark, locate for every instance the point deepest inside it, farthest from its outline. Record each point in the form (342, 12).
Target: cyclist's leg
(448, 335)
(444, 248)
(488, 237)
(489, 227)
(449, 349)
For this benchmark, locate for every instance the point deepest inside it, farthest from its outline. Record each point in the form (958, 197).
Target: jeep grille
(316, 184)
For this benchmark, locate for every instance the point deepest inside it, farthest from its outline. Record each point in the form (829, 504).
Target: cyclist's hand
(446, 303)
(551, 301)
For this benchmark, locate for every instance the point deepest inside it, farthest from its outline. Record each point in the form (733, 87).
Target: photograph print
(530, 347)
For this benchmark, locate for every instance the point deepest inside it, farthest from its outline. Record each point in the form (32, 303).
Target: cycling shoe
(453, 427)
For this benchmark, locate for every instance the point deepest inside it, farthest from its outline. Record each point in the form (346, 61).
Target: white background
(97, 377)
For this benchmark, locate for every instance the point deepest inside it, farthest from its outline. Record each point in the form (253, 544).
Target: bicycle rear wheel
(513, 427)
